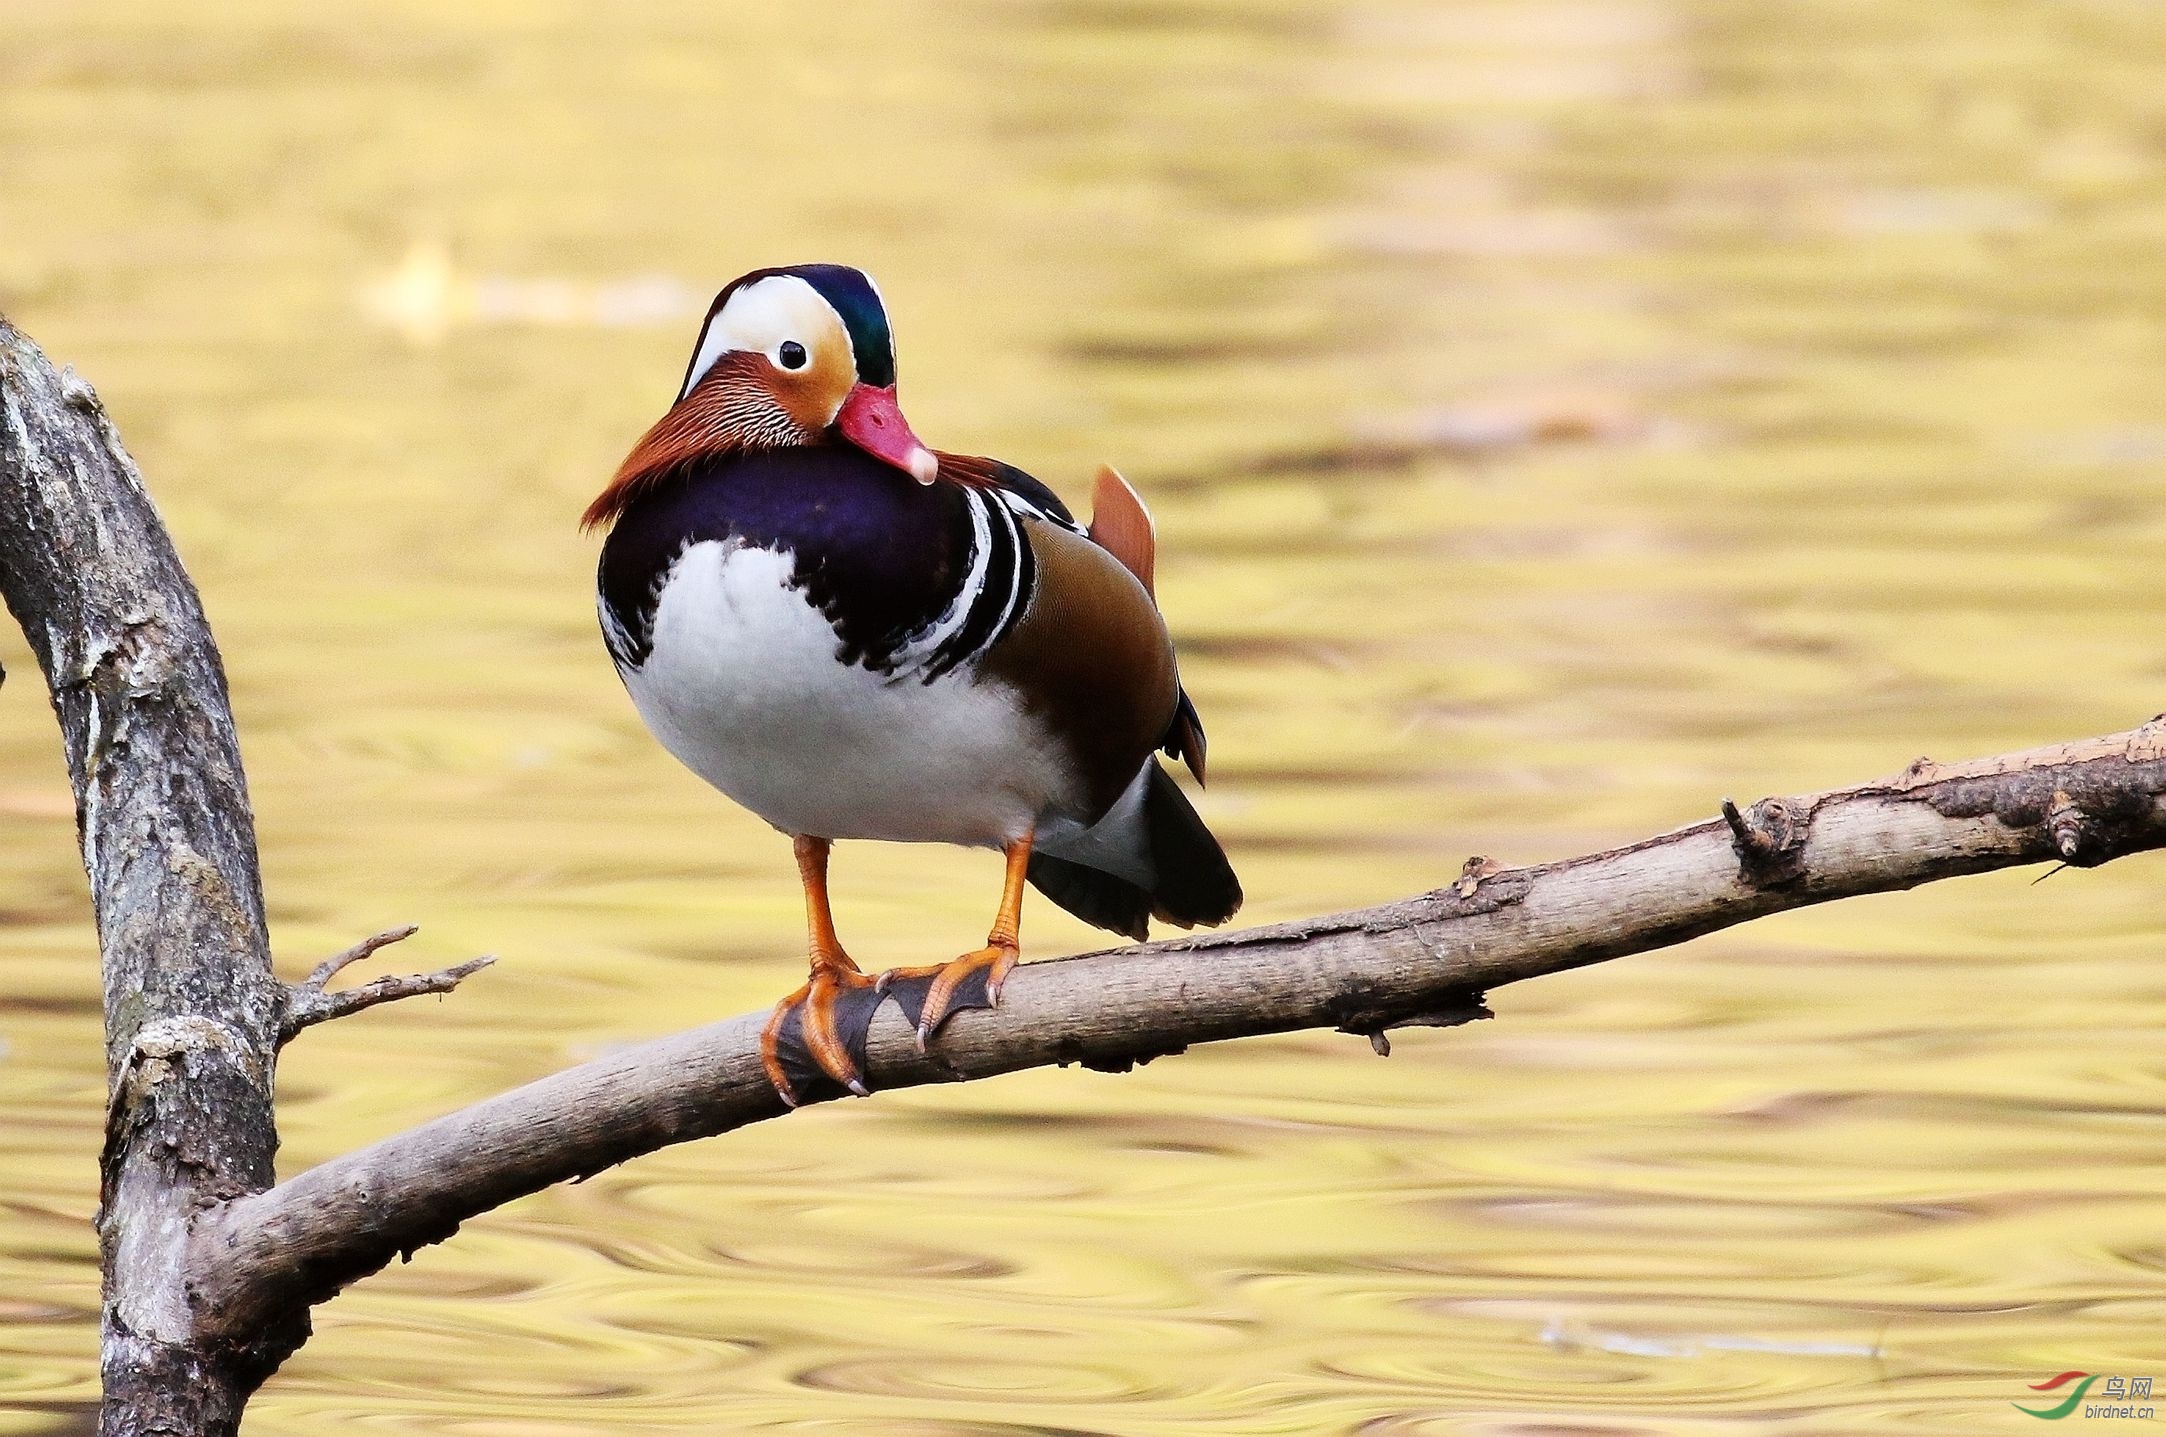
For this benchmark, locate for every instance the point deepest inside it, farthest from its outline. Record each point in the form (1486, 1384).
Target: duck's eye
(791, 355)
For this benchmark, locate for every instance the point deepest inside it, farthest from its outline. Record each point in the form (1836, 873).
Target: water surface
(1558, 415)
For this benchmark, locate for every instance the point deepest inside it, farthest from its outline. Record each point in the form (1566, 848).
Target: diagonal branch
(1426, 960)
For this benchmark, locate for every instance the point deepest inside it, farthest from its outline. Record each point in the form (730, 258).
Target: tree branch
(169, 844)
(1427, 960)
(307, 1002)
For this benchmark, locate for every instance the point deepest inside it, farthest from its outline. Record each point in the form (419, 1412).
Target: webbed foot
(814, 1043)
(931, 995)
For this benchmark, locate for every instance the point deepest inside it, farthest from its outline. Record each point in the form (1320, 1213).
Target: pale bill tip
(924, 465)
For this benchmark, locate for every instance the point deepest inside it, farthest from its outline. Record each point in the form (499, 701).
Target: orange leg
(996, 960)
(833, 1008)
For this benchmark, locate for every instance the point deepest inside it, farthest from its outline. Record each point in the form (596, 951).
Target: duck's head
(796, 355)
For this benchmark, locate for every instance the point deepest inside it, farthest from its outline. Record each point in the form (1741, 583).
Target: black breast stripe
(1010, 578)
(627, 608)
(1026, 577)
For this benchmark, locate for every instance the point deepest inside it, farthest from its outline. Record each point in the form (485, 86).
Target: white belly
(743, 685)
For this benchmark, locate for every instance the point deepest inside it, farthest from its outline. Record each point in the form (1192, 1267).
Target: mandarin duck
(856, 637)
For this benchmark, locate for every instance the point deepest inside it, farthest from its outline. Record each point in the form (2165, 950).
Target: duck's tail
(1150, 857)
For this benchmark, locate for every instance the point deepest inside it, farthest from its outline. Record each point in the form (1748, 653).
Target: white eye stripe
(762, 317)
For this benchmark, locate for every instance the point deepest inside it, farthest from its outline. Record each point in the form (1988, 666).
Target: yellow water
(1559, 414)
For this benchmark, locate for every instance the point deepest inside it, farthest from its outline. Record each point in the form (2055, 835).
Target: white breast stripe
(913, 656)
(1005, 583)
(1012, 603)
(993, 595)
(1018, 504)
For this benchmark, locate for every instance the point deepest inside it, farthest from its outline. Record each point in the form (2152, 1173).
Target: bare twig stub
(308, 1002)
(345, 958)
(210, 1270)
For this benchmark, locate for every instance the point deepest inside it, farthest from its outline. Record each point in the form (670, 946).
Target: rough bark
(193, 1012)
(211, 1271)
(168, 841)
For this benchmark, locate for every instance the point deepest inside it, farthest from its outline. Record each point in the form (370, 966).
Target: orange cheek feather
(731, 408)
(684, 433)
(812, 396)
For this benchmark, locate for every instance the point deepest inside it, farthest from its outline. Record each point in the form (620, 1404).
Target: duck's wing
(1122, 526)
